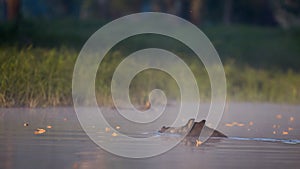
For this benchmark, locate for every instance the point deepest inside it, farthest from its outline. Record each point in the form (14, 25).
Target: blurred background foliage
(285, 13)
(257, 40)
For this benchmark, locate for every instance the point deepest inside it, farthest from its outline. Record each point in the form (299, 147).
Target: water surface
(260, 136)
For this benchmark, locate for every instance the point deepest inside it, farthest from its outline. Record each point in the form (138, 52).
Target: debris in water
(198, 143)
(234, 124)
(107, 129)
(228, 125)
(114, 134)
(39, 131)
(147, 105)
(292, 119)
(285, 133)
(279, 116)
(240, 124)
(49, 127)
(118, 127)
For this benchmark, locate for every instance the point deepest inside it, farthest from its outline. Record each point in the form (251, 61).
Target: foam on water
(289, 141)
(286, 141)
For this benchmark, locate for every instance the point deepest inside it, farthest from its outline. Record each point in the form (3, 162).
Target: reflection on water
(260, 136)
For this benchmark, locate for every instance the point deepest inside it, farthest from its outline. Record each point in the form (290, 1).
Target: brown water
(260, 136)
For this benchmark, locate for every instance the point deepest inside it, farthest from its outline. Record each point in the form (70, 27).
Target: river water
(259, 136)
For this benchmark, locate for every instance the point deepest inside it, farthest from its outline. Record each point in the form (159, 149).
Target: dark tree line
(285, 13)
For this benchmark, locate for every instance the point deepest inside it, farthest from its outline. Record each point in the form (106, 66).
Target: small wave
(286, 141)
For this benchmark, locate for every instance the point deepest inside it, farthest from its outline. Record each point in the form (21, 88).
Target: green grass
(42, 77)
(37, 61)
(36, 77)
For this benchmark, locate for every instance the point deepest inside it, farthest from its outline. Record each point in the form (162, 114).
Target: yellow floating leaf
(228, 125)
(198, 143)
(240, 124)
(234, 124)
(39, 131)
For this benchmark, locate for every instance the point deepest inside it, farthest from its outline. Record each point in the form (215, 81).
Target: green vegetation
(37, 61)
(35, 76)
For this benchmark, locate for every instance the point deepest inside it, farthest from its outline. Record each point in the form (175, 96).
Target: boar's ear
(203, 121)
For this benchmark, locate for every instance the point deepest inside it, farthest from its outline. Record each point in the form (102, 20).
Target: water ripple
(286, 141)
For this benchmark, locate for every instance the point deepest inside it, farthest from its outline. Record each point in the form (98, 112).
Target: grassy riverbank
(37, 61)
